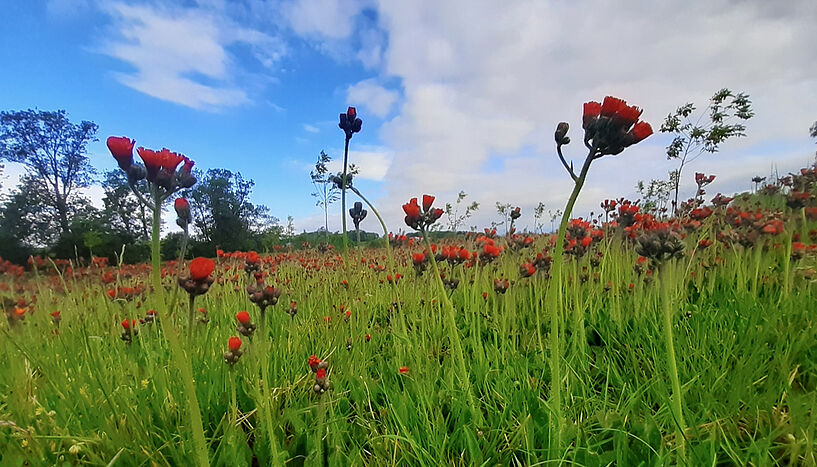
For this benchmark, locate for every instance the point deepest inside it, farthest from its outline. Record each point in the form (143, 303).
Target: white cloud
(327, 19)
(372, 162)
(374, 98)
(181, 55)
(311, 128)
(485, 81)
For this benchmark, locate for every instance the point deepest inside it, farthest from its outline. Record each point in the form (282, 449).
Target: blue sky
(462, 95)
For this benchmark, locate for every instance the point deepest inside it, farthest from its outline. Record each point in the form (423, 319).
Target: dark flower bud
(561, 133)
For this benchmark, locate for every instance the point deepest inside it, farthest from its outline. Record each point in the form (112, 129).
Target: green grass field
(742, 318)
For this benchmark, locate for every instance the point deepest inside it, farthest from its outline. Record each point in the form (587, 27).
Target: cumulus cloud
(485, 83)
(329, 19)
(375, 99)
(181, 54)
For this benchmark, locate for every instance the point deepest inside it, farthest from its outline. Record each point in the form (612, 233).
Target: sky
(454, 96)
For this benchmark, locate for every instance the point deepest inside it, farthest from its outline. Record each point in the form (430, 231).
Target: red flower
(234, 343)
(640, 131)
(627, 115)
(403, 370)
(320, 374)
(611, 105)
(243, 317)
(181, 203)
(201, 268)
(126, 324)
(122, 150)
(313, 362)
(351, 113)
(412, 209)
(428, 200)
(591, 112)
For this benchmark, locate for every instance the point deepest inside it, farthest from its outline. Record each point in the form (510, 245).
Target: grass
(743, 322)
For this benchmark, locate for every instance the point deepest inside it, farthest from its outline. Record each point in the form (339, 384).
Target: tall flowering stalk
(609, 128)
(350, 124)
(164, 178)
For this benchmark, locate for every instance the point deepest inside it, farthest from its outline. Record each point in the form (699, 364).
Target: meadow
(624, 339)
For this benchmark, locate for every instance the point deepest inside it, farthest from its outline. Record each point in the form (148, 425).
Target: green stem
(555, 303)
(454, 335)
(190, 311)
(155, 244)
(677, 396)
(343, 194)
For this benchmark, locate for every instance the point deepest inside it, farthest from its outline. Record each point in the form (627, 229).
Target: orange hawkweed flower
(201, 268)
(234, 343)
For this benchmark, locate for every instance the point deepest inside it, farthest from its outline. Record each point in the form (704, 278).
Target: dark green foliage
(223, 215)
(53, 150)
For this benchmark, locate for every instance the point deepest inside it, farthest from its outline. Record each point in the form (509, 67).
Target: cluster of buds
(150, 317)
(501, 285)
(720, 200)
(660, 243)
(627, 212)
(420, 262)
(252, 264)
(527, 270)
(264, 297)
(358, 214)
(417, 219)
(516, 213)
(608, 205)
(293, 309)
(798, 199)
(128, 330)
(245, 327)
(160, 167)
(319, 368)
(702, 180)
(350, 123)
(56, 317)
(519, 241)
(609, 127)
(199, 278)
(233, 353)
(183, 217)
(450, 283)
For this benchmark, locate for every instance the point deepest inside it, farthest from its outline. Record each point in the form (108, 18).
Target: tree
(223, 214)
(504, 210)
(707, 132)
(457, 218)
(656, 194)
(123, 211)
(325, 192)
(53, 150)
(538, 215)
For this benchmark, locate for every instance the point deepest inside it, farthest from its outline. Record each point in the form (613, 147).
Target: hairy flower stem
(343, 194)
(677, 396)
(155, 251)
(453, 334)
(190, 310)
(555, 303)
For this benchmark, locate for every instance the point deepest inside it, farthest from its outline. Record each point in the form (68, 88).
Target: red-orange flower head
(419, 220)
(613, 125)
(182, 207)
(234, 343)
(122, 150)
(243, 317)
(201, 268)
